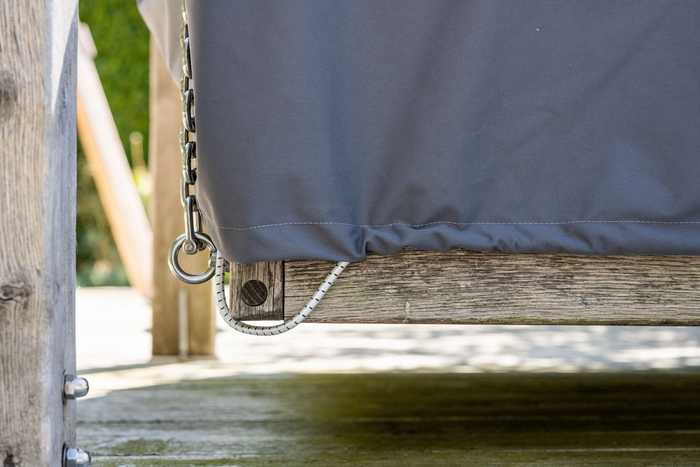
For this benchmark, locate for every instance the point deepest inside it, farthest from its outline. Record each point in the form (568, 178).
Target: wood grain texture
(480, 288)
(269, 273)
(401, 419)
(110, 169)
(168, 223)
(37, 232)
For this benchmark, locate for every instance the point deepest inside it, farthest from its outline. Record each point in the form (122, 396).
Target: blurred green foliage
(122, 41)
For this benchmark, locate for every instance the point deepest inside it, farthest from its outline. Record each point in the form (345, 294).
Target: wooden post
(37, 229)
(168, 223)
(110, 169)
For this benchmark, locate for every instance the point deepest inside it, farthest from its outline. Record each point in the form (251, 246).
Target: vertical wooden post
(37, 229)
(165, 163)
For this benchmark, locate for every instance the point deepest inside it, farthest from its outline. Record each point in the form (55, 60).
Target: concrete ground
(388, 395)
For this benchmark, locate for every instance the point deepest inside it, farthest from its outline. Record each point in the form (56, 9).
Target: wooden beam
(110, 169)
(473, 288)
(165, 163)
(37, 251)
(257, 291)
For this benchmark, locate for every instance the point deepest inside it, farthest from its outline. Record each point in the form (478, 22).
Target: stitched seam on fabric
(392, 224)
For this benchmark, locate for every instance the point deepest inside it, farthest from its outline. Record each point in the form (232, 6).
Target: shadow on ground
(400, 419)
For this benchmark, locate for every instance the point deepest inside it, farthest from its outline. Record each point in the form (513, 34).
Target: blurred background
(122, 39)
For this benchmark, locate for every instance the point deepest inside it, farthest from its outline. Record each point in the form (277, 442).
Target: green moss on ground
(415, 459)
(142, 447)
(411, 420)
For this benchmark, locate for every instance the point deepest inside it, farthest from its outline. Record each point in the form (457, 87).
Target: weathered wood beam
(37, 231)
(481, 288)
(257, 291)
(168, 223)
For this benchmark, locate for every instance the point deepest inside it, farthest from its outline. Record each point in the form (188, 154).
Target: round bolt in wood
(254, 293)
(75, 387)
(75, 457)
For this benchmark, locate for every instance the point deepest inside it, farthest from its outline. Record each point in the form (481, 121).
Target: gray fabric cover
(329, 129)
(164, 20)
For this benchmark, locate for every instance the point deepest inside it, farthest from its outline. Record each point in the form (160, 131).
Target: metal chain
(194, 239)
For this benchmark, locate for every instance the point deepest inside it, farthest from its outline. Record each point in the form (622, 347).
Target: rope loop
(240, 326)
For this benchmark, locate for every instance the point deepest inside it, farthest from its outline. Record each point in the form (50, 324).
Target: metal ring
(174, 262)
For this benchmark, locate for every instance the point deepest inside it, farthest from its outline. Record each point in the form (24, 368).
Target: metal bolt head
(74, 457)
(75, 387)
(254, 292)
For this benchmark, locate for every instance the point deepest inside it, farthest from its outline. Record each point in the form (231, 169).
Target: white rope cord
(240, 326)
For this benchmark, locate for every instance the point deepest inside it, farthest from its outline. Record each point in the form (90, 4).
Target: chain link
(194, 239)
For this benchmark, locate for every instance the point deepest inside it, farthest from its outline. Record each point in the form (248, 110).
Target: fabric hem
(348, 242)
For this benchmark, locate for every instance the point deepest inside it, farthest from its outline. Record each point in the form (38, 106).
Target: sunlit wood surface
(488, 288)
(400, 420)
(485, 288)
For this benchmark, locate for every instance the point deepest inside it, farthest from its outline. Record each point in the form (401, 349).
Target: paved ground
(113, 330)
(330, 395)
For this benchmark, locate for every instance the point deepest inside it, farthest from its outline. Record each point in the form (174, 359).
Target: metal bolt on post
(75, 387)
(74, 457)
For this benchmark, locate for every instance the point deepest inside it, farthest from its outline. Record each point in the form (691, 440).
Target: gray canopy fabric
(330, 129)
(164, 19)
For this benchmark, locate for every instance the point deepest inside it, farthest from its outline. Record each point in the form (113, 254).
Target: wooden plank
(168, 223)
(413, 419)
(37, 251)
(257, 290)
(480, 288)
(109, 167)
